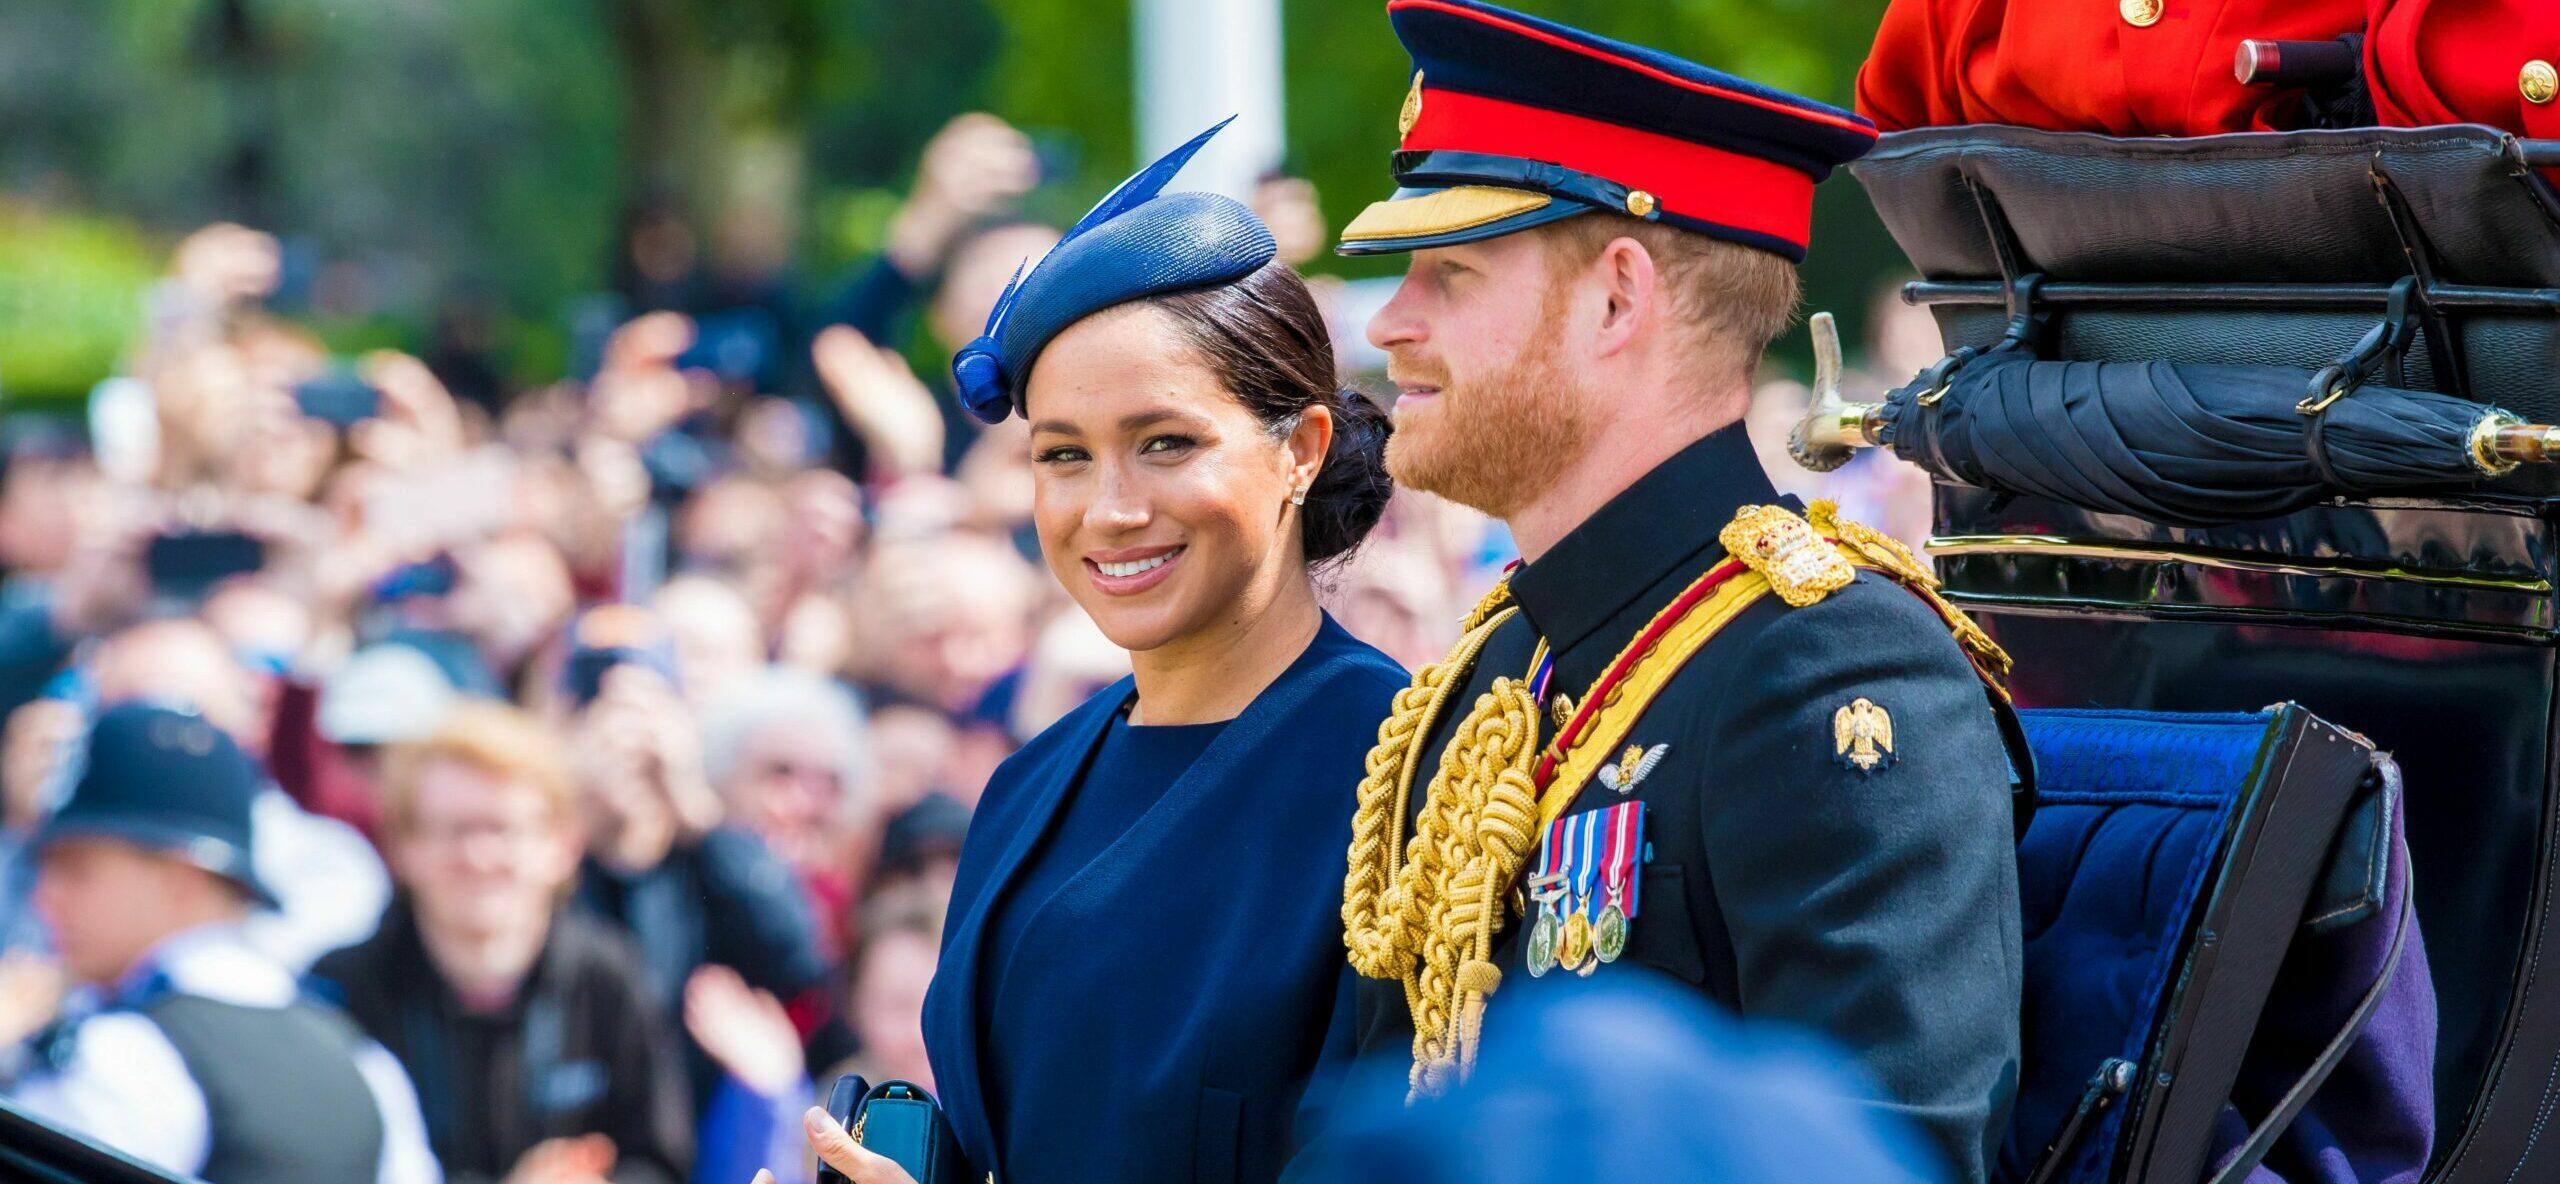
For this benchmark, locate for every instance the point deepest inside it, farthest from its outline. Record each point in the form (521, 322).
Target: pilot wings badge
(1632, 767)
(1862, 735)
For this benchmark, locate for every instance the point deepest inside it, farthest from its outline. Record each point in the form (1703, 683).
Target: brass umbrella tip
(2501, 442)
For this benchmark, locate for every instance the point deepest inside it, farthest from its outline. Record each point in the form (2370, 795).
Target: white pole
(1200, 61)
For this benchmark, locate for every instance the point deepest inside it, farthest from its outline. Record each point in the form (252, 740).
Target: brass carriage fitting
(1833, 429)
(2500, 442)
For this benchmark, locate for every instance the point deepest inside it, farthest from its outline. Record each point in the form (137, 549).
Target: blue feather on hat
(1136, 242)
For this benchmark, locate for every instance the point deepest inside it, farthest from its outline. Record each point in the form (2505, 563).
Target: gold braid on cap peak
(1429, 920)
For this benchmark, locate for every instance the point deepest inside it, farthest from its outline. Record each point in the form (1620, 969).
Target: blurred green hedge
(70, 299)
(488, 148)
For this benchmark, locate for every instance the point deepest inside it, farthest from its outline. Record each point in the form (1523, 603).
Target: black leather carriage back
(2429, 624)
(2192, 232)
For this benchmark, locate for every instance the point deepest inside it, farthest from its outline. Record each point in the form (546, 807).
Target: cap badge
(1862, 735)
(1412, 113)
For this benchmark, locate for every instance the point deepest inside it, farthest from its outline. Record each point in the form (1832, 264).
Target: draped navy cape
(1192, 972)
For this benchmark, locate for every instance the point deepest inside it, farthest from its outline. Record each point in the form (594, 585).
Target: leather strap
(2262, 1140)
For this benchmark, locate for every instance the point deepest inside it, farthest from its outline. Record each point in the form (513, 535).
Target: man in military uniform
(1699, 730)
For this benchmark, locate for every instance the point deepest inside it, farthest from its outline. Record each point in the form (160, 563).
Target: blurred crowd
(616, 736)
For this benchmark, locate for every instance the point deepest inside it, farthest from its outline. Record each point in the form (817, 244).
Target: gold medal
(1542, 945)
(1609, 937)
(1575, 948)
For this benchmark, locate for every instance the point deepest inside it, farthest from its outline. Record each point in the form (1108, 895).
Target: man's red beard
(1498, 441)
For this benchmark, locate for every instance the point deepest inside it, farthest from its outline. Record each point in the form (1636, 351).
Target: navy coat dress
(1190, 975)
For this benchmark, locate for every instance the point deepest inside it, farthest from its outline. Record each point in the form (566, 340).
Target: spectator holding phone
(687, 890)
(538, 1053)
(951, 249)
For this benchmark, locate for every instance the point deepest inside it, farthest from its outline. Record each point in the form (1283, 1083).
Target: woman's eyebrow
(1134, 421)
(1145, 419)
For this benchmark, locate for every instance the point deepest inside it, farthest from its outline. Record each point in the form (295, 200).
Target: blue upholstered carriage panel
(2131, 808)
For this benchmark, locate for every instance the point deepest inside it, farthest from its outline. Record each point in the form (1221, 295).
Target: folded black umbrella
(2180, 443)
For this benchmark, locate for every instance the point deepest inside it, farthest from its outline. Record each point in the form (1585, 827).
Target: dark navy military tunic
(1878, 907)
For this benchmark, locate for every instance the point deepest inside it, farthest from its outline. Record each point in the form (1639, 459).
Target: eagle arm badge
(1862, 735)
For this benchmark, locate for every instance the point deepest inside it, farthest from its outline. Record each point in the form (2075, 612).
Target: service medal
(1609, 937)
(1575, 949)
(1543, 889)
(1542, 945)
(1623, 824)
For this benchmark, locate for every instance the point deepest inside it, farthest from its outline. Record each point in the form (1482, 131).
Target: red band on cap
(1688, 178)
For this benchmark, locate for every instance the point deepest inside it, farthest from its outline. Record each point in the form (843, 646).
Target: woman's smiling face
(1162, 503)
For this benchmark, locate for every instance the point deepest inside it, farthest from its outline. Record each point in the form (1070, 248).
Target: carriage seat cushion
(2131, 809)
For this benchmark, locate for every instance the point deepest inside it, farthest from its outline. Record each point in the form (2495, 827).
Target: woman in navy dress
(1144, 961)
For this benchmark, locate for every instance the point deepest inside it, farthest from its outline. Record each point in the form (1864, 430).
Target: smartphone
(189, 563)
(609, 636)
(1057, 154)
(338, 398)
(429, 578)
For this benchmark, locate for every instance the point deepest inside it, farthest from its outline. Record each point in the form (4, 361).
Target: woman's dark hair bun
(1351, 490)
(1265, 336)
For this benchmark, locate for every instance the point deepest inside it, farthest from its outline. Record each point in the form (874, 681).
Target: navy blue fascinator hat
(1133, 244)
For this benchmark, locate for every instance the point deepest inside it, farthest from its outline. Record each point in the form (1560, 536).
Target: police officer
(196, 1052)
(1701, 730)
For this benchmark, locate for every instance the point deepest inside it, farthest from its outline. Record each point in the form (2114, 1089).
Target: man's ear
(1630, 287)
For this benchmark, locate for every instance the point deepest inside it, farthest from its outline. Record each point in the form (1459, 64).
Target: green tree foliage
(411, 151)
(1347, 79)
(69, 295)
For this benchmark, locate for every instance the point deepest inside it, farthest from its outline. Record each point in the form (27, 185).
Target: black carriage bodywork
(2428, 623)
(36, 1152)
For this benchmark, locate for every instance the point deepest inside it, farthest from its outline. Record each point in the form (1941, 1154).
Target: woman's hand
(837, 1150)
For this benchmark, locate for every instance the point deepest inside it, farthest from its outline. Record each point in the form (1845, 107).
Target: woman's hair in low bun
(1266, 338)
(1350, 491)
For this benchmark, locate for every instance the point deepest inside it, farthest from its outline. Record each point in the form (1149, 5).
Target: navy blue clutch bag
(897, 1120)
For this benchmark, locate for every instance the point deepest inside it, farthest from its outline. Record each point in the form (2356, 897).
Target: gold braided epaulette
(1874, 548)
(1801, 566)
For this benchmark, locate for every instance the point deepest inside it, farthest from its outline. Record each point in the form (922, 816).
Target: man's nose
(1394, 323)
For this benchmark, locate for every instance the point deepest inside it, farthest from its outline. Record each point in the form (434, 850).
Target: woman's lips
(1132, 570)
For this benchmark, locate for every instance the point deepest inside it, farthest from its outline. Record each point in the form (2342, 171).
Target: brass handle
(1833, 429)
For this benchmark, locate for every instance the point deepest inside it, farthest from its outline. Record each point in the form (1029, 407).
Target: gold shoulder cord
(1428, 919)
